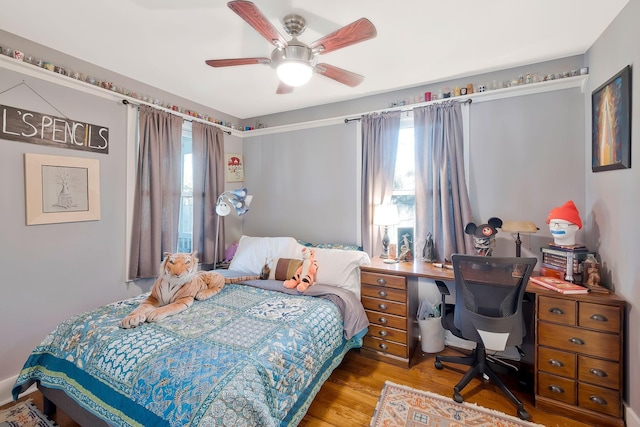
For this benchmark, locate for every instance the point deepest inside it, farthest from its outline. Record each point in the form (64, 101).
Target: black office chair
(488, 311)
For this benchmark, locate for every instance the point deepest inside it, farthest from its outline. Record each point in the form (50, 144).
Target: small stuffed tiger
(175, 288)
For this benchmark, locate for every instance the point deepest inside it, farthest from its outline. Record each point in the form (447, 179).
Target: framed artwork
(611, 123)
(405, 239)
(61, 189)
(235, 167)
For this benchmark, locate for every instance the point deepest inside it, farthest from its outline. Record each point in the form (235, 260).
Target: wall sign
(28, 126)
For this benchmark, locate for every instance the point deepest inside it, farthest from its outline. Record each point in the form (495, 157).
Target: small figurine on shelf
(429, 250)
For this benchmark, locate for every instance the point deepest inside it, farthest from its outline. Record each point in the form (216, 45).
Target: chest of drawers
(390, 303)
(579, 356)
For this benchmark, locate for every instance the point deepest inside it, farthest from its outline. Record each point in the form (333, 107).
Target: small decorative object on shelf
(429, 250)
(591, 275)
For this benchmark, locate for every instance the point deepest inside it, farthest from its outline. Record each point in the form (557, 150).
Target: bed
(255, 354)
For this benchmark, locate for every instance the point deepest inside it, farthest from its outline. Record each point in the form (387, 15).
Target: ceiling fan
(293, 60)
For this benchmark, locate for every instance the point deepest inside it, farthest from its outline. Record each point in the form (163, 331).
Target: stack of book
(564, 262)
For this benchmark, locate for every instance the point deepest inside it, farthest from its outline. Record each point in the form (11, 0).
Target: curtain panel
(442, 199)
(380, 133)
(156, 207)
(208, 183)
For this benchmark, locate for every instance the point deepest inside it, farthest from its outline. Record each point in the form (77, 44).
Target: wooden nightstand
(390, 299)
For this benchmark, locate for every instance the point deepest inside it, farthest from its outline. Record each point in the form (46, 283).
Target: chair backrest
(489, 293)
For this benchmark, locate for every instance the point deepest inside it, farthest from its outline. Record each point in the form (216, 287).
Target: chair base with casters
(479, 366)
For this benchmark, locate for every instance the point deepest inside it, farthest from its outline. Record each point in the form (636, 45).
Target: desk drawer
(557, 362)
(599, 344)
(599, 399)
(557, 388)
(398, 295)
(389, 320)
(384, 306)
(600, 372)
(385, 346)
(380, 279)
(557, 310)
(601, 317)
(389, 334)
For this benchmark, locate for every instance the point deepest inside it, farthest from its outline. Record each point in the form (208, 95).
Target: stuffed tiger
(175, 289)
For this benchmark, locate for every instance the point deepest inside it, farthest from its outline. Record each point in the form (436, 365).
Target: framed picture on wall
(61, 189)
(611, 123)
(235, 167)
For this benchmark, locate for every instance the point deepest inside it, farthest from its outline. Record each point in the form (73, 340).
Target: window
(185, 224)
(404, 180)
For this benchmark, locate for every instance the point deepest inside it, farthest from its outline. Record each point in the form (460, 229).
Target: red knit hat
(568, 212)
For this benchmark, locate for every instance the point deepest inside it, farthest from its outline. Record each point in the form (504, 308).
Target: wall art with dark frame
(611, 123)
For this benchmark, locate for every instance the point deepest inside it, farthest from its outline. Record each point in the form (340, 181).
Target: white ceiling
(164, 43)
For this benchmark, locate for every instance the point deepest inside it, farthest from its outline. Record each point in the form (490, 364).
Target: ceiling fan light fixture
(294, 73)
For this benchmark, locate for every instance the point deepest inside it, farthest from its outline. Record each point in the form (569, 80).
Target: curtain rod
(184, 116)
(403, 110)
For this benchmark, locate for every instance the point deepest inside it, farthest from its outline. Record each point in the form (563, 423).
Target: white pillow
(252, 252)
(339, 267)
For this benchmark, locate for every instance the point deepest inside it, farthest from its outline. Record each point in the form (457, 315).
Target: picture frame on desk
(611, 123)
(405, 238)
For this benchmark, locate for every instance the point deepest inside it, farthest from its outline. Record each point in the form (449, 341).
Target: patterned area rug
(24, 414)
(402, 406)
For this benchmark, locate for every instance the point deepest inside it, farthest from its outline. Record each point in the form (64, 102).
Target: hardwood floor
(349, 396)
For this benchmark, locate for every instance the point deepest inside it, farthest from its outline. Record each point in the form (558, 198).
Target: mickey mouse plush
(484, 235)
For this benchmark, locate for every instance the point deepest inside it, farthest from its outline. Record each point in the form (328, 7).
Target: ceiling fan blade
(356, 32)
(338, 74)
(283, 88)
(252, 15)
(237, 61)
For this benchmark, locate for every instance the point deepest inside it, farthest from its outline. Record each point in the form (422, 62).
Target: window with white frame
(185, 224)
(404, 181)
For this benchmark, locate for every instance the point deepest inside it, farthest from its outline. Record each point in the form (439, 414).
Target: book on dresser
(559, 285)
(566, 258)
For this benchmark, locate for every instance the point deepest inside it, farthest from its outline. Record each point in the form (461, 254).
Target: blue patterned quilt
(245, 357)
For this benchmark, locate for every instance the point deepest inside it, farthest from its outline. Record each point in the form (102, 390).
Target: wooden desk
(390, 299)
(578, 349)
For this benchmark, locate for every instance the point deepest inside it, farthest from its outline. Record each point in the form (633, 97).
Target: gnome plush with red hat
(564, 221)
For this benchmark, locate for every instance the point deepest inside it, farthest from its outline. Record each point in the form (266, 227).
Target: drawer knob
(384, 333)
(383, 294)
(381, 281)
(555, 310)
(383, 320)
(597, 399)
(556, 389)
(556, 363)
(382, 346)
(577, 341)
(382, 306)
(598, 372)
(599, 318)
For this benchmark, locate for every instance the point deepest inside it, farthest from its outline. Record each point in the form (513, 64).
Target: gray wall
(526, 157)
(305, 184)
(613, 198)
(53, 271)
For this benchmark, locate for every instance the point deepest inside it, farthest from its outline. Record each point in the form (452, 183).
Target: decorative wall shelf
(491, 95)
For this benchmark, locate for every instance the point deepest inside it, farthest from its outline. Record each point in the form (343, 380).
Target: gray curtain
(442, 200)
(380, 133)
(208, 183)
(156, 207)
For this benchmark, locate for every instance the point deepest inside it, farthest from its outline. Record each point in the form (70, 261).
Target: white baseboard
(631, 418)
(5, 390)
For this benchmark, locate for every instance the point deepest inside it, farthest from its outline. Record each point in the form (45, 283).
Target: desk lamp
(385, 215)
(239, 200)
(518, 227)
